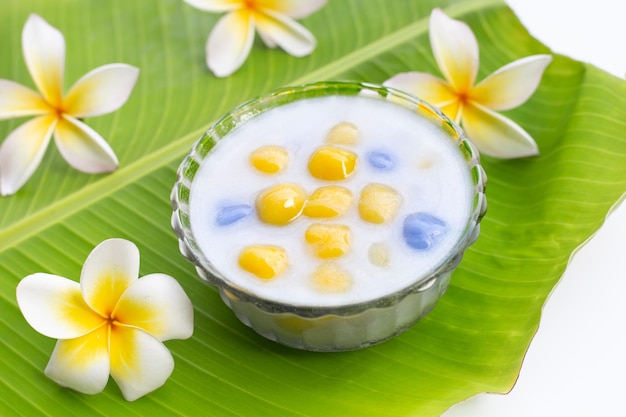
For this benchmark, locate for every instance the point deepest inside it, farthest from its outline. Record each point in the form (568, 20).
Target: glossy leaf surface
(540, 209)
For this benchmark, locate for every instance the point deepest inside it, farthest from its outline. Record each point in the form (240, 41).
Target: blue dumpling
(381, 160)
(231, 214)
(422, 231)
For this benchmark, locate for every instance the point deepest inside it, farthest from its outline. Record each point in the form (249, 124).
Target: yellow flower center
(58, 112)
(250, 4)
(258, 6)
(463, 96)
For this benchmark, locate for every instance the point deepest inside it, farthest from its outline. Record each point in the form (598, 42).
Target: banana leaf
(540, 209)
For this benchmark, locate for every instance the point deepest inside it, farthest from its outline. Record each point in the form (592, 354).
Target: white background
(576, 364)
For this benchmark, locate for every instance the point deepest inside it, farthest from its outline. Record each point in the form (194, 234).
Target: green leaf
(540, 209)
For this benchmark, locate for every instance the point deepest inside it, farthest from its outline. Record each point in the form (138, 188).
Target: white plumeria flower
(111, 323)
(230, 41)
(100, 91)
(474, 106)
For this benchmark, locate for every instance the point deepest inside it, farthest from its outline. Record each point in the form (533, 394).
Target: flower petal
(455, 48)
(295, 9)
(82, 363)
(430, 89)
(54, 306)
(44, 53)
(496, 135)
(22, 151)
(230, 42)
(17, 100)
(216, 6)
(109, 270)
(83, 148)
(157, 304)
(425, 86)
(453, 109)
(292, 37)
(512, 84)
(101, 91)
(139, 362)
(269, 42)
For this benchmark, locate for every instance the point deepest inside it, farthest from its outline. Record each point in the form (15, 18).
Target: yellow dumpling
(269, 159)
(281, 204)
(266, 262)
(378, 254)
(332, 164)
(330, 278)
(328, 240)
(327, 202)
(343, 133)
(379, 203)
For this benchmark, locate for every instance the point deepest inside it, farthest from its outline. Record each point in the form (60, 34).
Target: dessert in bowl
(330, 216)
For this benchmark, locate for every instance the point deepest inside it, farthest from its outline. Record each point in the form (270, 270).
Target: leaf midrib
(67, 206)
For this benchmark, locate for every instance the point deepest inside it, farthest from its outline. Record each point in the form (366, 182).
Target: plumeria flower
(111, 323)
(100, 91)
(473, 105)
(230, 42)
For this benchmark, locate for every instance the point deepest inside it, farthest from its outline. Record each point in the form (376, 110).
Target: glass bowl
(338, 327)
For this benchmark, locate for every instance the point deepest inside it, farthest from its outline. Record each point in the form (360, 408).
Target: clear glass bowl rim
(251, 108)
